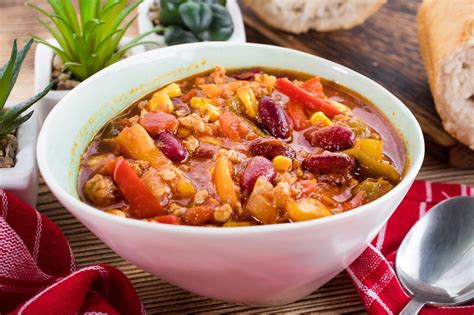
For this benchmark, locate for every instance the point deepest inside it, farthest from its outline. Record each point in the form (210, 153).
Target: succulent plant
(89, 42)
(12, 118)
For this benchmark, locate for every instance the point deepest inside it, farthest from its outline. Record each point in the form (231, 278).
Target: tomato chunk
(156, 121)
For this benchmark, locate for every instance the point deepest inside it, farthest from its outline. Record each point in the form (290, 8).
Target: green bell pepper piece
(372, 167)
(374, 188)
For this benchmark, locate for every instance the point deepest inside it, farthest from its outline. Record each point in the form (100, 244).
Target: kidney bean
(172, 147)
(205, 150)
(273, 118)
(198, 215)
(332, 138)
(270, 148)
(247, 75)
(329, 162)
(256, 167)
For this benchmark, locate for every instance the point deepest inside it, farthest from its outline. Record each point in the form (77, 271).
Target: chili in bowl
(242, 147)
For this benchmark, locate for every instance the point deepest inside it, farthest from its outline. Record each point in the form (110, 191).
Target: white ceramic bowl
(260, 265)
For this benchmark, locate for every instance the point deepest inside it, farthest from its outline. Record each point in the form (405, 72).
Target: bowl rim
(62, 194)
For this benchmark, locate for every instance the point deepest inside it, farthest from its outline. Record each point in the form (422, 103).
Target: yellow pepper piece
(282, 163)
(207, 106)
(373, 167)
(134, 142)
(161, 101)
(236, 224)
(319, 119)
(214, 112)
(185, 188)
(306, 209)
(223, 181)
(247, 98)
(172, 90)
(373, 147)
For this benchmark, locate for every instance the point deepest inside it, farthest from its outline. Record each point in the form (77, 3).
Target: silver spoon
(435, 261)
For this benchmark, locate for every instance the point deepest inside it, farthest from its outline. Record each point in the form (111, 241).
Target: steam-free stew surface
(246, 147)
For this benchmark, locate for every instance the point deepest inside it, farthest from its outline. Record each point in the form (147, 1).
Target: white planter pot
(145, 24)
(43, 68)
(22, 179)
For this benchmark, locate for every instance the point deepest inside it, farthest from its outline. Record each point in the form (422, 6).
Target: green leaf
(196, 16)
(89, 10)
(15, 111)
(221, 27)
(89, 42)
(169, 12)
(175, 35)
(11, 71)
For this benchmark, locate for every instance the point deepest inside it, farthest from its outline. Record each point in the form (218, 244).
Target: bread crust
(446, 36)
(299, 16)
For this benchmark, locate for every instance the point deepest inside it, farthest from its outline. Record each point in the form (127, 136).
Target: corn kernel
(341, 107)
(213, 112)
(185, 188)
(247, 97)
(183, 132)
(161, 101)
(199, 103)
(117, 212)
(172, 90)
(236, 224)
(319, 119)
(282, 163)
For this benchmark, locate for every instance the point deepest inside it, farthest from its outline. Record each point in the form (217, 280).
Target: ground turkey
(101, 190)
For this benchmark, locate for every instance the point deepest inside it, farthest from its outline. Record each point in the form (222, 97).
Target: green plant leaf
(169, 12)
(221, 27)
(196, 16)
(11, 71)
(13, 112)
(175, 35)
(89, 10)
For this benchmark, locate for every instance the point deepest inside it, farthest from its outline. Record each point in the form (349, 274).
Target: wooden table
(384, 48)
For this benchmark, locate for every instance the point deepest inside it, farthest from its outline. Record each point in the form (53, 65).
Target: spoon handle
(413, 307)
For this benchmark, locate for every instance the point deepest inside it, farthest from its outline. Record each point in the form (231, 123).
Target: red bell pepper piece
(296, 113)
(167, 219)
(141, 200)
(306, 98)
(314, 86)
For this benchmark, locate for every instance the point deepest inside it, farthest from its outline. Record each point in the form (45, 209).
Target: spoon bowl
(435, 260)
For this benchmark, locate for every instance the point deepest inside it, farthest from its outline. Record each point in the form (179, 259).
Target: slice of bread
(299, 16)
(446, 35)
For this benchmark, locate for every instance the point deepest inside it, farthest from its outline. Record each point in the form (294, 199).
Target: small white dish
(256, 265)
(145, 24)
(43, 68)
(22, 179)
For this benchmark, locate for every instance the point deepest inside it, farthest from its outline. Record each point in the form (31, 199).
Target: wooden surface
(384, 48)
